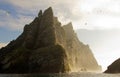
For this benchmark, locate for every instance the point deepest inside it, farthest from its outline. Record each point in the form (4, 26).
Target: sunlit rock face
(114, 67)
(45, 46)
(80, 57)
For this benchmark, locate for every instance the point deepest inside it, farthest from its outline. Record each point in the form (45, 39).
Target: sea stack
(46, 46)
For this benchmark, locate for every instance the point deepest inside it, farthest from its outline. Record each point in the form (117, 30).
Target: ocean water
(62, 75)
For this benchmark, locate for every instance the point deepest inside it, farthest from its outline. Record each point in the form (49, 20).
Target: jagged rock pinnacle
(48, 11)
(69, 25)
(45, 29)
(40, 13)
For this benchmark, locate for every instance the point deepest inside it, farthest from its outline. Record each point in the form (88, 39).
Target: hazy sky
(105, 44)
(84, 14)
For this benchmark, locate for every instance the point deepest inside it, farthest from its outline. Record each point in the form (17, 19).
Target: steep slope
(80, 56)
(46, 47)
(114, 67)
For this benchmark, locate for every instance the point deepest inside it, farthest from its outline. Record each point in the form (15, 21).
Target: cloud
(3, 12)
(8, 21)
(43, 3)
(100, 14)
(93, 12)
(68, 9)
(65, 10)
(3, 44)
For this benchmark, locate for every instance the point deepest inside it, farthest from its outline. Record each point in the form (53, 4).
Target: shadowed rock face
(114, 67)
(47, 47)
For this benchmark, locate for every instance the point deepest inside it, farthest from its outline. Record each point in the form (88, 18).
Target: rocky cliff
(114, 67)
(45, 46)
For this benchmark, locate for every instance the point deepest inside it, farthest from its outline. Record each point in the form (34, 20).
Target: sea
(62, 75)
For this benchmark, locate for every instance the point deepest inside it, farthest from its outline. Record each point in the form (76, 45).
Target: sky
(91, 15)
(103, 43)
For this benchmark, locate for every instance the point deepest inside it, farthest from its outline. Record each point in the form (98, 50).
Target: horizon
(84, 14)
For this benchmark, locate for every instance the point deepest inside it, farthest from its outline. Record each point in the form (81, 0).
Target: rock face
(47, 47)
(114, 67)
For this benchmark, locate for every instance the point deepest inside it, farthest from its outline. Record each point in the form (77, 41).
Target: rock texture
(47, 47)
(114, 67)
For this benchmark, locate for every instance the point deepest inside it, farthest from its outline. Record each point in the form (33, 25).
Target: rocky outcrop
(47, 47)
(80, 57)
(114, 67)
